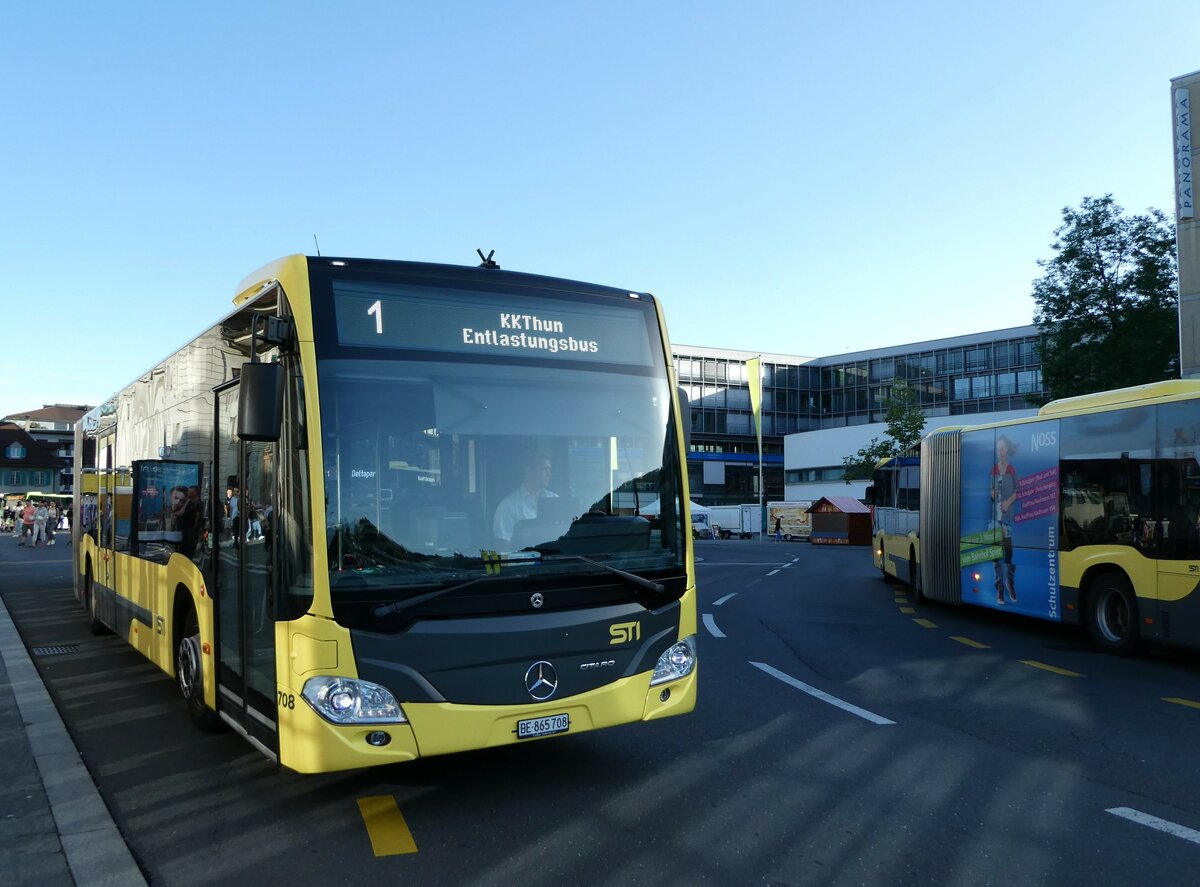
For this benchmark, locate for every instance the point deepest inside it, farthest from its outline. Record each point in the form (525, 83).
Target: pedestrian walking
(27, 514)
(41, 514)
(778, 529)
(254, 529)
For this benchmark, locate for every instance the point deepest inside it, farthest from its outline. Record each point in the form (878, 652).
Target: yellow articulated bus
(1087, 513)
(894, 497)
(385, 510)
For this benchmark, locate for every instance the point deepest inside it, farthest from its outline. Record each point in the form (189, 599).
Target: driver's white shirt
(520, 504)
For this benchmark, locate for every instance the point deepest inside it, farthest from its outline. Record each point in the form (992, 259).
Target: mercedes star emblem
(541, 680)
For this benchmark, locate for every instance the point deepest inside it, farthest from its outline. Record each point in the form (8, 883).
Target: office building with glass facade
(818, 410)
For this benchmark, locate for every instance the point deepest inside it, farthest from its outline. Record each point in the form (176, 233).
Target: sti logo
(624, 632)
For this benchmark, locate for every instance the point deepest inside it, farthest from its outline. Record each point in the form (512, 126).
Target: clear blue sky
(795, 177)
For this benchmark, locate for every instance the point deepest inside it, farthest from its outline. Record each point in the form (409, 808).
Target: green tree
(905, 424)
(1107, 303)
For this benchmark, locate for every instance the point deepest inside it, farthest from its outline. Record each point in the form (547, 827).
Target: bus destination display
(428, 319)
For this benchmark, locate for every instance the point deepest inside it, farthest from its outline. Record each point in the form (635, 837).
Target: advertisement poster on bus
(1008, 552)
(162, 498)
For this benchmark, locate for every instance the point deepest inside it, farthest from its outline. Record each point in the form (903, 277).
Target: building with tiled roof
(26, 463)
(52, 428)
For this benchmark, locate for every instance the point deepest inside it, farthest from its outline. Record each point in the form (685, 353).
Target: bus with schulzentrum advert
(1087, 513)
(386, 510)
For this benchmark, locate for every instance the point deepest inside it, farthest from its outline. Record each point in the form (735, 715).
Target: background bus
(1087, 513)
(894, 496)
(445, 466)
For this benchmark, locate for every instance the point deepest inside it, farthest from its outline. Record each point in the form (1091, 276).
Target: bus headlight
(349, 701)
(678, 661)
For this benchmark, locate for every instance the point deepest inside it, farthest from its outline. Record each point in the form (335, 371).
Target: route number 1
(377, 310)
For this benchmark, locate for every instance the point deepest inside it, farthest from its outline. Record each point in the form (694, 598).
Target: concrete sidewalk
(55, 828)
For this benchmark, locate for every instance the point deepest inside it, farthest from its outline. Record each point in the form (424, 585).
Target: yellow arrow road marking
(969, 642)
(386, 826)
(1045, 667)
(1190, 703)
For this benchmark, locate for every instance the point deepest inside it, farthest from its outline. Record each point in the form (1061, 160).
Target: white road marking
(711, 625)
(722, 600)
(773, 572)
(823, 696)
(1162, 825)
(730, 563)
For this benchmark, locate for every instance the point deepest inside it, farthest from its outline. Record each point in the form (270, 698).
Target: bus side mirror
(260, 402)
(685, 416)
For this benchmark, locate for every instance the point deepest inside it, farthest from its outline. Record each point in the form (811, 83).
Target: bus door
(244, 498)
(104, 570)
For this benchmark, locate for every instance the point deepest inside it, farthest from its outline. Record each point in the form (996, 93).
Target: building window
(950, 362)
(13, 478)
(962, 388)
(981, 386)
(14, 451)
(1006, 383)
(979, 358)
(917, 367)
(738, 398)
(1029, 381)
(40, 478)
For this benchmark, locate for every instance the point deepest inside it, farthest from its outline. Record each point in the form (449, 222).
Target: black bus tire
(888, 578)
(95, 626)
(189, 672)
(1112, 615)
(914, 576)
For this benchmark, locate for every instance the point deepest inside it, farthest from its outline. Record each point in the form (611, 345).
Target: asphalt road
(844, 735)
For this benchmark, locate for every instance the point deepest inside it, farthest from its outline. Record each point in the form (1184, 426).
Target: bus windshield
(438, 472)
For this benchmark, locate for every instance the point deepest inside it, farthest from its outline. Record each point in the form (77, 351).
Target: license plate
(547, 726)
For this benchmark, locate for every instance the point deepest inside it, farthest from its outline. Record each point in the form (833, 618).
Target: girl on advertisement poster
(1003, 487)
(1010, 518)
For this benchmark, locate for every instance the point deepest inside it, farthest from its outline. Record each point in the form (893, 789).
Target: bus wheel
(888, 578)
(1112, 615)
(95, 626)
(190, 674)
(914, 579)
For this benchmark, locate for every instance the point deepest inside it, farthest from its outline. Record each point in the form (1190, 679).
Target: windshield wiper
(640, 581)
(405, 603)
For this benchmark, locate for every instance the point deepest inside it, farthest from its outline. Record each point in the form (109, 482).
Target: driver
(522, 503)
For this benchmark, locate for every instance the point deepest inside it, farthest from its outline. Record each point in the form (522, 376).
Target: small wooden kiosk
(840, 520)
